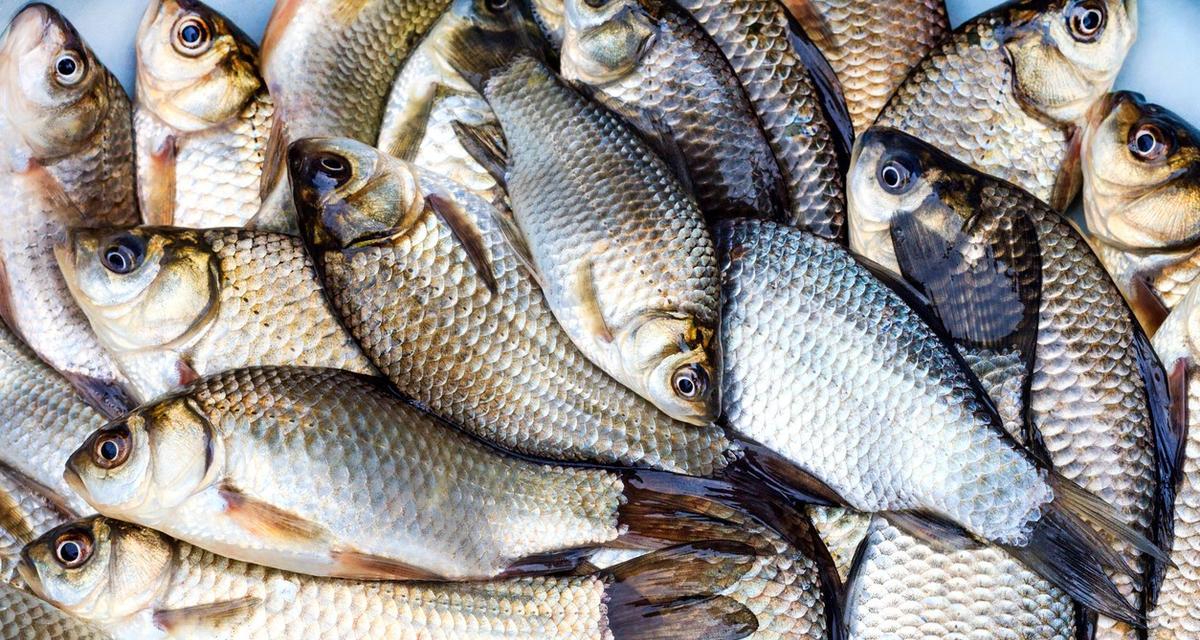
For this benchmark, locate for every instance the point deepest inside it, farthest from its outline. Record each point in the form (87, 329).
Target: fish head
(143, 466)
(678, 360)
(97, 568)
(348, 194)
(144, 287)
(549, 16)
(1141, 167)
(53, 90)
(604, 40)
(1066, 54)
(195, 69)
(892, 174)
(483, 36)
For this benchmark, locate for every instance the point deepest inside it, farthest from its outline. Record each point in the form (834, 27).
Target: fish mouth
(73, 479)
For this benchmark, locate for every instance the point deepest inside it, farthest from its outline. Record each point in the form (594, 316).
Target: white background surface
(1164, 64)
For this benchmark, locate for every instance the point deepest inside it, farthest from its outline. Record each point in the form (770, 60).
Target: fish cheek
(186, 452)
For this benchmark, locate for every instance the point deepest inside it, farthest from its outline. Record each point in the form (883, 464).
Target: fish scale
(34, 508)
(24, 616)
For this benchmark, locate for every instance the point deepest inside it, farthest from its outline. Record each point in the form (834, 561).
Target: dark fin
(1085, 623)
(671, 594)
(363, 566)
(1069, 180)
(932, 530)
(107, 397)
(760, 468)
(415, 120)
(485, 143)
(812, 20)
(849, 600)
(158, 205)
(185, 373)
(449, 212)
(477, 53)
(503, 216)
(274, 158)
(1169, 420)
(568, 561)
(1147, 306)
(590, 312)
(1103, 518)
(829, 90)
(204, 615)
(266, 520)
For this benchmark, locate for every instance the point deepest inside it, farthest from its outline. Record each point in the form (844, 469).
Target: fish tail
(674, 593)
(477, 53)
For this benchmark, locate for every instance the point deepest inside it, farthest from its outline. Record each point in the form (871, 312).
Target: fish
(421, 272)
(1097, 400)
(879, 407)
(651, 61)
(1007, 92)
(1141, 196)
(66, 161)
(202, 119)
(617, 243)
(27, 510)
(41, 414)
(137, 582)
(173, 305)
(25, 616)
(842, 531)
(426, 502)
(1176, 616)
(428, 96)
(871, 46)
(329, 65)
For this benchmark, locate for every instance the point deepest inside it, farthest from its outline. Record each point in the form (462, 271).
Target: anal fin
(364, 566)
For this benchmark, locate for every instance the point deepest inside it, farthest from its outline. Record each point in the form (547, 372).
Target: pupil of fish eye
(69, 551)
(1145, 142)
(66, 66)
(1091, 20)
(891, 176)
(117, 260)
(109, 450)
(686, 386)
(190, 34)
(332, 164)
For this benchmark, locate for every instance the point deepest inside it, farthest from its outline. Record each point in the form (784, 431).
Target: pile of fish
(597, 320)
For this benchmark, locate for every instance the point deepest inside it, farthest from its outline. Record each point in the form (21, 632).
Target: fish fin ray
(830, 94)
(591, 312)
(813, 22)
(931, 529)
(364, 566)
(266, 519)
(158, 200)
(204, 615)
(453, 215)
(556, 562)
(485, 143)
(1146, 303)
(274, 158)
(1069, 180)
(106, 396)
(516, 240)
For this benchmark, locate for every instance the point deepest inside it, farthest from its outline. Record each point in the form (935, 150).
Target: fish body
(189, 303)
(1141, 197)
(24, 616)
(763, 45)
(1007, 91)
(27, 510)
(139, 583)
(67, 162)
(842, 531)
(202, 119)
(872, 46)
(652, 60)
(1177, 616)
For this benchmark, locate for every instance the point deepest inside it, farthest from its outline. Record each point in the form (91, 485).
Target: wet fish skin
(1142, 205)
(650, 59)
(135, 581)
(24, 616)
(202, 119)
(198, 302)
(1006, 91)
(760, 42)
(872, 46)
(1176, 616)
(27, 510)
(497, 364)
(1088, 344)
(66, 162)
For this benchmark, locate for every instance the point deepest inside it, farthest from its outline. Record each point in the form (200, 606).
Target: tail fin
(477, 51)
(672, 594)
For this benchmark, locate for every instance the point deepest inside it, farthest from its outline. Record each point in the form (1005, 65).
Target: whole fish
(1177, 616)
(428, 96)
(66, 161)
(136, 582)
(618, 245)
(252, 463)
(43, 419)
(329, 65)
(887, 416)
(173, 305)
(871, 45)
(202, 119)
(1141, 196)
(1008, 91)
(1096, 393)
(651, 61)
(27, 510)
(421, 273)
(24, 616)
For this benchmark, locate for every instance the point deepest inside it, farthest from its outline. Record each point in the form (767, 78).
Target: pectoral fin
(590, 312)
(267, 520)
(452, 214)
(363, 566)
(158, 185)
(485, 143)
(204, 615)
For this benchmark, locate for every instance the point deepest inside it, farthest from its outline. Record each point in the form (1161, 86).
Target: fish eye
(895, 176)
(690, 381)
(192, 35)
(68, 69)
(596, 4)
(497, 5)
(1148, 142)
(73, 548)
(123, 256)
(110, 448)
(335, 167)
(1087, 19)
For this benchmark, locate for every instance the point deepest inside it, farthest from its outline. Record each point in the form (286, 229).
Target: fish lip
(72, 477)
(40, 15)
